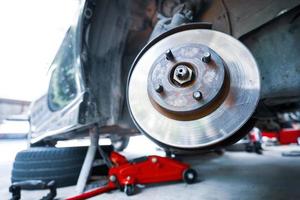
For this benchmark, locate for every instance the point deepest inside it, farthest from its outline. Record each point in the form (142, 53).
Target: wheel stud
(197, 95)
(169, 55)
(158, 88)
(206, 57)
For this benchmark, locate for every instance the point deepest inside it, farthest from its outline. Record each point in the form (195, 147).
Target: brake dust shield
(193, 88)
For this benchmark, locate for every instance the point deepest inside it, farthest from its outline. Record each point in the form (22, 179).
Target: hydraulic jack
(125, 175)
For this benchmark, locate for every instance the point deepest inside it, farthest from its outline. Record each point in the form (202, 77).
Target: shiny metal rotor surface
(230, 115)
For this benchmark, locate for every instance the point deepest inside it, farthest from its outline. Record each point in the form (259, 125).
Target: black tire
(119, 142)
(49, 163)
(190, 176)
(129, 189)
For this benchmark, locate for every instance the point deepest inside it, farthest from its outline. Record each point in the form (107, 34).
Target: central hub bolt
(182, 74)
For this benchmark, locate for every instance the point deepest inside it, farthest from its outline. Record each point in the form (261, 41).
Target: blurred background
(31, 32)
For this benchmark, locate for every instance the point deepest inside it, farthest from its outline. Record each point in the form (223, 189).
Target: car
(190, 75)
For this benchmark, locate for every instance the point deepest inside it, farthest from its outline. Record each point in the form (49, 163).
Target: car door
(58, 111)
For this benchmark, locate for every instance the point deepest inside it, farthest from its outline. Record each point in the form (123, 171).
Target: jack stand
(89, 160)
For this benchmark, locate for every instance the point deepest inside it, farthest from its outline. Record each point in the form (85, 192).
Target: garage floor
(234, 175)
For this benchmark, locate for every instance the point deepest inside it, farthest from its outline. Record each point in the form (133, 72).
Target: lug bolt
(169, 55)
(206, 57)
(197, 95)
(158, 88)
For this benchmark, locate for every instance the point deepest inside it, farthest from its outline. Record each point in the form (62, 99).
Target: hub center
(188, 83)
(182, 74)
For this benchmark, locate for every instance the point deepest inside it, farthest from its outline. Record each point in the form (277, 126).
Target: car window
(62, 87)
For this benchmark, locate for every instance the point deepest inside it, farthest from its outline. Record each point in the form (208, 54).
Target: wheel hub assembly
(193, 88)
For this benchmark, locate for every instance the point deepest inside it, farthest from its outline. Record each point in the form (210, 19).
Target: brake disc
(193, 88)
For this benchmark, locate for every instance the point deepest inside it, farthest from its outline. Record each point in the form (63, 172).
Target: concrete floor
(234, 175)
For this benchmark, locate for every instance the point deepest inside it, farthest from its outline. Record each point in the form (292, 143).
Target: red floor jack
(125, 175)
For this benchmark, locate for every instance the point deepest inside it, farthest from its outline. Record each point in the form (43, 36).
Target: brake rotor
(193, 88)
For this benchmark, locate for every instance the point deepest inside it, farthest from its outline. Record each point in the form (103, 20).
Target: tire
(62, 165)
(119, 142)
(190, 176)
